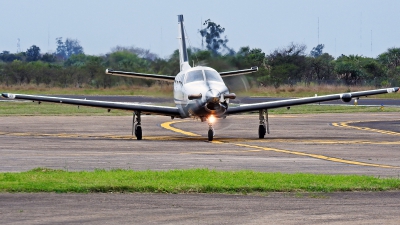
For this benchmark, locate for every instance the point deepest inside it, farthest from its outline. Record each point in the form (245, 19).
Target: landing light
(211, 119)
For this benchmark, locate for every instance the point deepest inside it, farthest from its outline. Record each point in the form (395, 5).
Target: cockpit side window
(195, 75)
(212, 75)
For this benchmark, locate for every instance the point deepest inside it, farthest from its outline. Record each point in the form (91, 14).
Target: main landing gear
(264, 123)
(136, 125)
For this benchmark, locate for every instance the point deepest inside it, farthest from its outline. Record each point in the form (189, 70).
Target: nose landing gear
(211, 132)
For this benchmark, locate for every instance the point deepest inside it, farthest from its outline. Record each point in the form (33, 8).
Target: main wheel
(138, 132)
(261, 131)
(210, 135)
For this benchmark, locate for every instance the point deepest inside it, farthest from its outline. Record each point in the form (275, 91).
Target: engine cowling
(216, 107)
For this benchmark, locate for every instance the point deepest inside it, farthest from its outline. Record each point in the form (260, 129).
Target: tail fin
(183, 55)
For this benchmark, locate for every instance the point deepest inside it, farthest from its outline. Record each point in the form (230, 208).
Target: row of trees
(69, 66)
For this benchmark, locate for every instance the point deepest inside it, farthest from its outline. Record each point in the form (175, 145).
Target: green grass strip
(187, 181)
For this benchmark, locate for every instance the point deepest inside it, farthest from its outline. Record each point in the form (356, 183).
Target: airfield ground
(310, 143)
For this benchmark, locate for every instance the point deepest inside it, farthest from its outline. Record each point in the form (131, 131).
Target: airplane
(199, 92)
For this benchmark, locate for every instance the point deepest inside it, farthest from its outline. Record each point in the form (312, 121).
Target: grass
(187, 181)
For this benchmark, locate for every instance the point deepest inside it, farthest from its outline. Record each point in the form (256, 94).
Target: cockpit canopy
(203, 75)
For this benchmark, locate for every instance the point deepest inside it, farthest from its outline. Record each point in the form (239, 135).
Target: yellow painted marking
(319, 156)
(217, 142)
(167, 125)
(255, 148)
(331, 142)
(346, 125)
(333, 159)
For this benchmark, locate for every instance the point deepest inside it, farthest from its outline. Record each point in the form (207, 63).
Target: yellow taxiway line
(255, 148)
(168, 126)
(346, 125)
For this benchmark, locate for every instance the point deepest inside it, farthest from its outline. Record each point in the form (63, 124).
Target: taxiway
(364, 144)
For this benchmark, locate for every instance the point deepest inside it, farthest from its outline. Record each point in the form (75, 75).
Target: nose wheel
(211, 132)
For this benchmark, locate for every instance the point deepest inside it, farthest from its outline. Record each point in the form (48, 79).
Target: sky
(359, 27)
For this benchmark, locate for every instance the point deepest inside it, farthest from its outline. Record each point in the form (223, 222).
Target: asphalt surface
(365, 144)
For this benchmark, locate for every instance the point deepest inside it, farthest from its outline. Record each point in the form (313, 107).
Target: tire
(210, 135)
(138, 133)
(261, 131)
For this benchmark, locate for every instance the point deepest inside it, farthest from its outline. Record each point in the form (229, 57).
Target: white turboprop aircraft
(199, 92)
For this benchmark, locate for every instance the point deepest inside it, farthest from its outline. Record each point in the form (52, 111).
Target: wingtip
(7, 95)
(396, 89)
(254, 68)
(109, 71)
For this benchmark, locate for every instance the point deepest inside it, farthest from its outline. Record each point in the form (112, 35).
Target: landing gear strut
(211, 131)
(264, 123)
(136, 125)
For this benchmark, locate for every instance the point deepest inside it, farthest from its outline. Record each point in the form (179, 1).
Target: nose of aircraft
(213, 96)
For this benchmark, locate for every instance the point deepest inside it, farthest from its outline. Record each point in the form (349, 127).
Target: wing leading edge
(301, 101)
(140, 75)
(145, 109)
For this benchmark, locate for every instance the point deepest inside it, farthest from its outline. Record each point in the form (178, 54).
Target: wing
(140, 75)
(346, 97)
(145, 109)
(239, 72)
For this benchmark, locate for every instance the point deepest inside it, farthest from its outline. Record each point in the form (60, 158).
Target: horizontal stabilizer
(239, 72)
(140, 75)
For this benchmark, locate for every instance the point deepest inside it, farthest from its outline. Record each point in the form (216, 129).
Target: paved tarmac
(365, 144)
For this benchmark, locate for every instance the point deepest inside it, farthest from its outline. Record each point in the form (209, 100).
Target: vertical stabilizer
(183, 55)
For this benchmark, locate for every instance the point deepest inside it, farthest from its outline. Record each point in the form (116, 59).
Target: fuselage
(199, 92)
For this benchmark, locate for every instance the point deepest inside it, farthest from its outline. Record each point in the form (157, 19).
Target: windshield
(212, 75)
(196, 75)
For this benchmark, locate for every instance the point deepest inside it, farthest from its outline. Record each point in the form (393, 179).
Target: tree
(6, 56)
(48, 57)
(390, 58)
(70, 47)
(321, 67)
(61, 51)
(141, 52)
(317, 51)
(213, 33)
(128, 61)
(348, 69)
(391, 61)
(375, 72)
(33, 53)
(286, 64)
